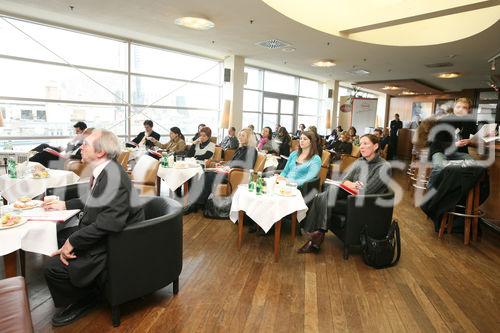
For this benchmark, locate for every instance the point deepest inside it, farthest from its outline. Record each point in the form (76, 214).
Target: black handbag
(381, 253)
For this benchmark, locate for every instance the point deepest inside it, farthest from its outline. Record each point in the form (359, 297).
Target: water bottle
(251, 183)
(11, 167)
(164, 160)
(259, 185)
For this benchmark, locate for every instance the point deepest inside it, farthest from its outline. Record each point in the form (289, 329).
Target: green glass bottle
(164, 160)
(259, 184)
(251, 183)
(11, 167)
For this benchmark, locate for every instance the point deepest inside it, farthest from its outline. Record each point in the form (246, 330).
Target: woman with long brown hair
(303, 165)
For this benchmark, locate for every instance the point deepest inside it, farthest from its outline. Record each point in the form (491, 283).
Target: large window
(53, 77)
(270, 98)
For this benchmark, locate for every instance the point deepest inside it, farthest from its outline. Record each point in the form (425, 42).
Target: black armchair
(145, 256)
(375, 216)
(309, 189)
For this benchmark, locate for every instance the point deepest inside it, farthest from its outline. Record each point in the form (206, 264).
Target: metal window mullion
(128, 114)
(61, 64)
(58, 101)
(160, 77)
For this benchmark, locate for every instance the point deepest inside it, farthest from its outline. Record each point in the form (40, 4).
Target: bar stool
(472, 213)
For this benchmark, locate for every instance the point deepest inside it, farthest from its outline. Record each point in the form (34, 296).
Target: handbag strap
(398, 242)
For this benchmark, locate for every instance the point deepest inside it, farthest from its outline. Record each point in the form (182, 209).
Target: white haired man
(77, 270)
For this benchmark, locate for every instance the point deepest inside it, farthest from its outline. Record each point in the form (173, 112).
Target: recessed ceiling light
(196, 23)
(408, 92)
(288, 49)
(324, 63)
(391, 88)
(448, 75)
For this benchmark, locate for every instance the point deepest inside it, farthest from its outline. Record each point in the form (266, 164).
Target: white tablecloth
(266, 209)
(14, 188)
(176, 177)
(33, 236)
(39, 236)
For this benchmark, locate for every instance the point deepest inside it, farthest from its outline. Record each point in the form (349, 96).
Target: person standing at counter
(395, 126)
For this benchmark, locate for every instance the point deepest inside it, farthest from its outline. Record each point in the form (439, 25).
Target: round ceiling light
(448, 75)
(324, 63)
(196, 23)
(389, 22)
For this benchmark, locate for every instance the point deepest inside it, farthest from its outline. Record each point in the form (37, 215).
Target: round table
(267, 210)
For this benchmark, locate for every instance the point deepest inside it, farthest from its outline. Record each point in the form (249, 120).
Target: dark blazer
(110, 206)
(466, 126)
(148, 143)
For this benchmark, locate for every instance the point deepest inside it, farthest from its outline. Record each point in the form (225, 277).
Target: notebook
(342, 186)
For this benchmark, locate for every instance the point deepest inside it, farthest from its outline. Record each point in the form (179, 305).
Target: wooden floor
(437, 286)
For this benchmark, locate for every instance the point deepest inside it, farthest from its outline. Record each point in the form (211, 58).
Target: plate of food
(11, 221)
(27, 204)
(285, 192)
(40, 174)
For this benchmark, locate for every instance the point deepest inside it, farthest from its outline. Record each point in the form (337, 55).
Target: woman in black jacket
(244, 158)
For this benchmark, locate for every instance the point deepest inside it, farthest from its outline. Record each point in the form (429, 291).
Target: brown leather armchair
(345, 161)
(14, 306)
(325, 160)
(228, 154)
(144, 175)
(239, 176)
(78, 167)
(123, 159)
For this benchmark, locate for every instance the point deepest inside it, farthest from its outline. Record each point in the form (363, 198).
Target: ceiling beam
(421, 17)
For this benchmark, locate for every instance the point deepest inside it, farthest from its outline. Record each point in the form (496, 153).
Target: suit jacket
(148, 143)
(108, 208)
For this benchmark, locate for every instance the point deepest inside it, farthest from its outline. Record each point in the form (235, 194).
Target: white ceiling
(152, 22)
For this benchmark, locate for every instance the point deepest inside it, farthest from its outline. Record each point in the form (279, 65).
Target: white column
(233, 90)
(333, 102)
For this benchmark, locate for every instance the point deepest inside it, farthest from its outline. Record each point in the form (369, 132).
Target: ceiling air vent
(439, 65)
(273, 44)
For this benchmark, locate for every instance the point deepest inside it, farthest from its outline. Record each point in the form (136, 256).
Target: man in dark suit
(142, 138)
(395, 126)
(53, 157)
(77, 270)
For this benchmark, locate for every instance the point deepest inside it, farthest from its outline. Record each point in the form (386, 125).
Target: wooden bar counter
(491, 207)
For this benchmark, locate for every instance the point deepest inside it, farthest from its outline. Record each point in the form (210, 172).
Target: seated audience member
(465, 126)
(343, 146)
(384, 140)
(143, 137)
(364, 177)
(257, 135)
(54, 157)
(276, 129)
(266, 136)
(76, 272)
(230, 141)
(202, 148)
(318, 138)
(244, 158)
(352, 135)
(334, 136)
(299, 131)
(280, 146)
(197, 135)
(176, 143)
(303, 165)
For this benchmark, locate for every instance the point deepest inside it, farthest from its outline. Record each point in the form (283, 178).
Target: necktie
(91, 181)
